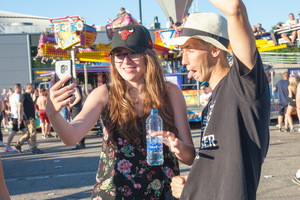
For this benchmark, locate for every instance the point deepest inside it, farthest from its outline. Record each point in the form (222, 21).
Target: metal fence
(284, 58)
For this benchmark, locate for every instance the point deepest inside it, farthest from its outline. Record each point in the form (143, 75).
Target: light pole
(140, 6)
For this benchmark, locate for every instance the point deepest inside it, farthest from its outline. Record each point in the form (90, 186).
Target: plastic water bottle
(154, 123)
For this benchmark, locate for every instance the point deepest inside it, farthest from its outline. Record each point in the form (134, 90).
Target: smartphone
(62, 69)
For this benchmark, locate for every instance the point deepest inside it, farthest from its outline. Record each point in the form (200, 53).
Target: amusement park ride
(72, 39)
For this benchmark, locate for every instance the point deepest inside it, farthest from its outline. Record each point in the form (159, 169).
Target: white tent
(175, 9)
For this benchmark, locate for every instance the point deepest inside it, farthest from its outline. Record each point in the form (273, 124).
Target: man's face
(203, 89)
(291, 17)
(18, 90)
(30, 89)
(196, 56)
(258, 26)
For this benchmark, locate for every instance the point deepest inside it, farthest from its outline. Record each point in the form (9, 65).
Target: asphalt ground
(62, 173)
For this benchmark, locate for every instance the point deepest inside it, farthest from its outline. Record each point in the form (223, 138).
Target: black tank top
(79, 104)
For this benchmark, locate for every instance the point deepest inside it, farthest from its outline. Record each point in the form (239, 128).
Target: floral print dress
(123, 172)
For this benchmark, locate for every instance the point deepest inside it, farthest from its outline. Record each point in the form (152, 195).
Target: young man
(281, 88)
(26, 111)
(16, 125)
(235, 125)
(45, 122)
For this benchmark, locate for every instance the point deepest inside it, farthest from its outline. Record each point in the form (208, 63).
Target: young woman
(136, 85)
(292, 104)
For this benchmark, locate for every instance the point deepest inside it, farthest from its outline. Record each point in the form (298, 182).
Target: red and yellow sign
(65, 30)
(70, 31)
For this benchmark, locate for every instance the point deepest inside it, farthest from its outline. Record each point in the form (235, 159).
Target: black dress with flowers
(123, 172)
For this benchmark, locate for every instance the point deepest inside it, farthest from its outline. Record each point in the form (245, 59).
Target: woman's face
(130, 65)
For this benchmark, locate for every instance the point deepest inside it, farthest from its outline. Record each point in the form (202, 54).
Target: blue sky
(267, 12)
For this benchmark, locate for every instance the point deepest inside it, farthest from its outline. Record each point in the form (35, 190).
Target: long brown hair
(293, 84)
(122, 117)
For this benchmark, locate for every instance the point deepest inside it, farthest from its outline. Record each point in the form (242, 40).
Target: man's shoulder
(43, 98)
(282, 81)
(14, 95)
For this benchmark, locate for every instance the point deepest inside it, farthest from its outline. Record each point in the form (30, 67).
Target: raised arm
(73, 132)
(239, 30)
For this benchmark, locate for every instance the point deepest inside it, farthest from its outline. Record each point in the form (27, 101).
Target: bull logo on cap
(125, 33)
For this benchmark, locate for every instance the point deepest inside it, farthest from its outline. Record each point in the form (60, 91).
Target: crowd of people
(288, 91)
(23, 108)
(259, 31)
(290, 37)
(19, 114)
(137, 85)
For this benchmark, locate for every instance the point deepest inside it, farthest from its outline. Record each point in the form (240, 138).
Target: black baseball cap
(134, 37)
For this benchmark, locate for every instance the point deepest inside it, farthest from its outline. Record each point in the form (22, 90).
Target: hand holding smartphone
(63, 69)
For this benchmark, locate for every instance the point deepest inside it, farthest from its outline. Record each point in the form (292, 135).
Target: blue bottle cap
(153, 111)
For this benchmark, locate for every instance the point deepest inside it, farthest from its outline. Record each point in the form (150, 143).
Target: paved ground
(61, 173)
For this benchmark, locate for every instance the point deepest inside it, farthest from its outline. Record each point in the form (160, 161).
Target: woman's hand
(169, 140)
(58, 96)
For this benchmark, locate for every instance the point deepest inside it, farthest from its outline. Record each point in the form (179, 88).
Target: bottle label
(154, 146)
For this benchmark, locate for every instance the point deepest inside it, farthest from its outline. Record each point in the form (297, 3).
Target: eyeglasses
(133, 56)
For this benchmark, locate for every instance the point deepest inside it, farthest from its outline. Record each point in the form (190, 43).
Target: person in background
(8, 110)
(204, 97)
(45, 122)
(178, 26)
(14, 100)
(4, 96)
(76, 107)
(281, 87)
(292, 88)
(26, 111)
(2, 107)
(260, 31)
(136, 85)
(235, 122)
(286, 36)
(121, 13)
(254, 29)
(4, 195)
(10, 92)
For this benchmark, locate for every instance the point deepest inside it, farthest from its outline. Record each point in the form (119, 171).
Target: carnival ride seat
(276, 34)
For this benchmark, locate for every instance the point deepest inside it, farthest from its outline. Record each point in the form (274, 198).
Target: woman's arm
(290, 92)
(4, 195)
(182, 146)
(2, 106)
(71, 133)
(186, 153)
